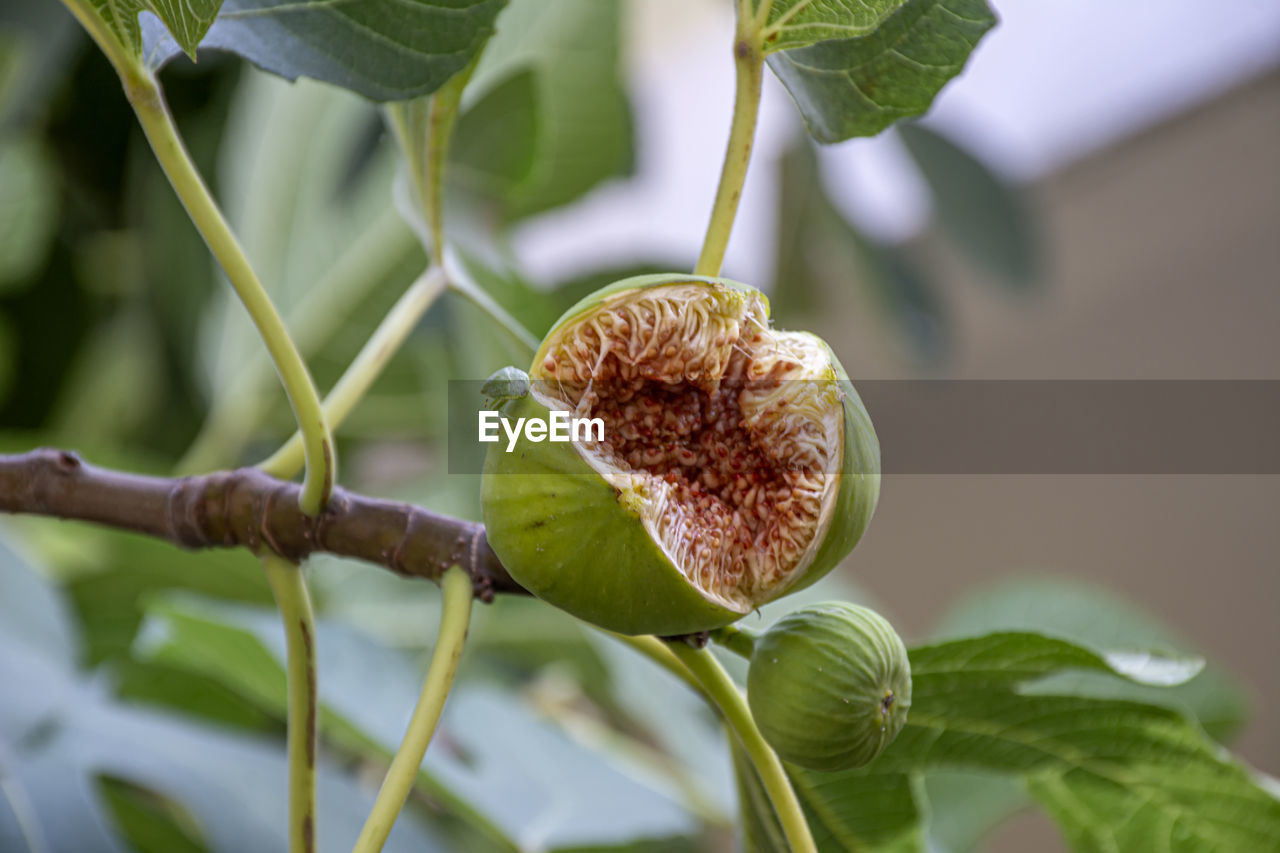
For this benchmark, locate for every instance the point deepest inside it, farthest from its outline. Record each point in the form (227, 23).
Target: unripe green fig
(829, 685)
(736, 463)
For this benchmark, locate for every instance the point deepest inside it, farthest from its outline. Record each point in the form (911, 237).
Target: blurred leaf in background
(36, 43)
(989, 219)
(29, 201)
(545, 116)
(822, 257)
(508, 771)
(62, 733)
(821, 252)
(307, 185)
(125, 258)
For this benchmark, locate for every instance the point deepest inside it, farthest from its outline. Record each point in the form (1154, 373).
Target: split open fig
(737, 462)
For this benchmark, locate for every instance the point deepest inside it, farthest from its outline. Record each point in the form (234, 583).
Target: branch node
(68, 462)
(264, 524)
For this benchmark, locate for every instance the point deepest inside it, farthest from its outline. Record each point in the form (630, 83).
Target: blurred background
(1096, 197)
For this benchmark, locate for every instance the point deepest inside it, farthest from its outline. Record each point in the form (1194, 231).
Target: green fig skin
(829, 685)
(564, 534)
(571, 538)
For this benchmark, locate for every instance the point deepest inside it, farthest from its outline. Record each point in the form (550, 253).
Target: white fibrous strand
(726, 423)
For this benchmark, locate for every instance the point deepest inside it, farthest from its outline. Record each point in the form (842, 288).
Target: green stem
(290, 591)
(748, 57)
(423, 129)
(740, 641)
(720, 687)
(454, 619)
(441, 118)
(486, 303)
(144, 94)
(360, 375)
(316, 441)
(408, 121)
(658, 652)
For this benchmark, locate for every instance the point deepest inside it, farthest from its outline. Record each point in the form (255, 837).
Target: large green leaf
(386, 50)
(989, 219)
(1182, 813)
(859, 86)
(862, 811)
(796, 23)
(1162, 777)
(1094, 617)
(546, 116)
(965, 805)
(973, 709)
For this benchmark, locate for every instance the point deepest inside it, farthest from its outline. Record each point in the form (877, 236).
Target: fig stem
(454, 620)
(748, 57)
(461, 283)
(127, 65)
(423, 127)
(660, 653)
(147, 99)
(290, 590)
(356, 380)
(725, 694)
(441, 117)
(740, 641)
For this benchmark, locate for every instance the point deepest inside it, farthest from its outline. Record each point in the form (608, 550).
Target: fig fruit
(829, 685)
(736, 463)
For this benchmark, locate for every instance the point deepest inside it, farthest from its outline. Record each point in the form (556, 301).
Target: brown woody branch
(247, 508)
